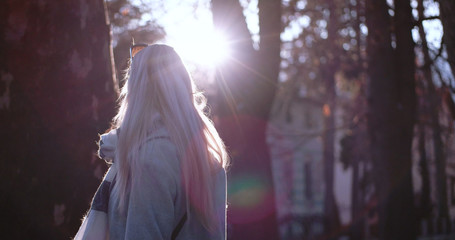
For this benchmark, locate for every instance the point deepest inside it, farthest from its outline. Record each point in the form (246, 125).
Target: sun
(193, 35)
(202, 46)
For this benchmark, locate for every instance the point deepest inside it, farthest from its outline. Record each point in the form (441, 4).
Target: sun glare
(191, 32)
(202, 46)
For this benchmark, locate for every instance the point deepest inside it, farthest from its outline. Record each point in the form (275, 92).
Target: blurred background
(338, 114)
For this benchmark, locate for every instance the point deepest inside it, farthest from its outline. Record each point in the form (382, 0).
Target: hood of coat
(107, 145)
(108, 141)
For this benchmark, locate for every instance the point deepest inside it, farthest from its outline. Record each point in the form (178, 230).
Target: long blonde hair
(158, 82)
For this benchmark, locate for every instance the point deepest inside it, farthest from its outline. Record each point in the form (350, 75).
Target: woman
(167, 179)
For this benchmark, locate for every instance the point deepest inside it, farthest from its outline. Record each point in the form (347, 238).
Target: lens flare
(249, 199)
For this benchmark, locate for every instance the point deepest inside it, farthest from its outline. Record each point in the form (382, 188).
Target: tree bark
(58, 93)
(391, 116)
(246, 88)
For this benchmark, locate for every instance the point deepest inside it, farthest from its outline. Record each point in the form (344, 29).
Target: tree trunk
(58, 93)
(359, 182)
(380, 101)
(438, 145)
(331, 217)
(358, 215)
(391, 116)
(425, 201)
(447, 11)
(246, 88)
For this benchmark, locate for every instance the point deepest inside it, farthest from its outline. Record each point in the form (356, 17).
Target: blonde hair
(158, 82)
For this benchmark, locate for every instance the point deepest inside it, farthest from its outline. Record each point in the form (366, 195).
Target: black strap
(179, 227)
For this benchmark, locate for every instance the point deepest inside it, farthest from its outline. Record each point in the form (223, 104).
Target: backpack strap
(179, 227)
